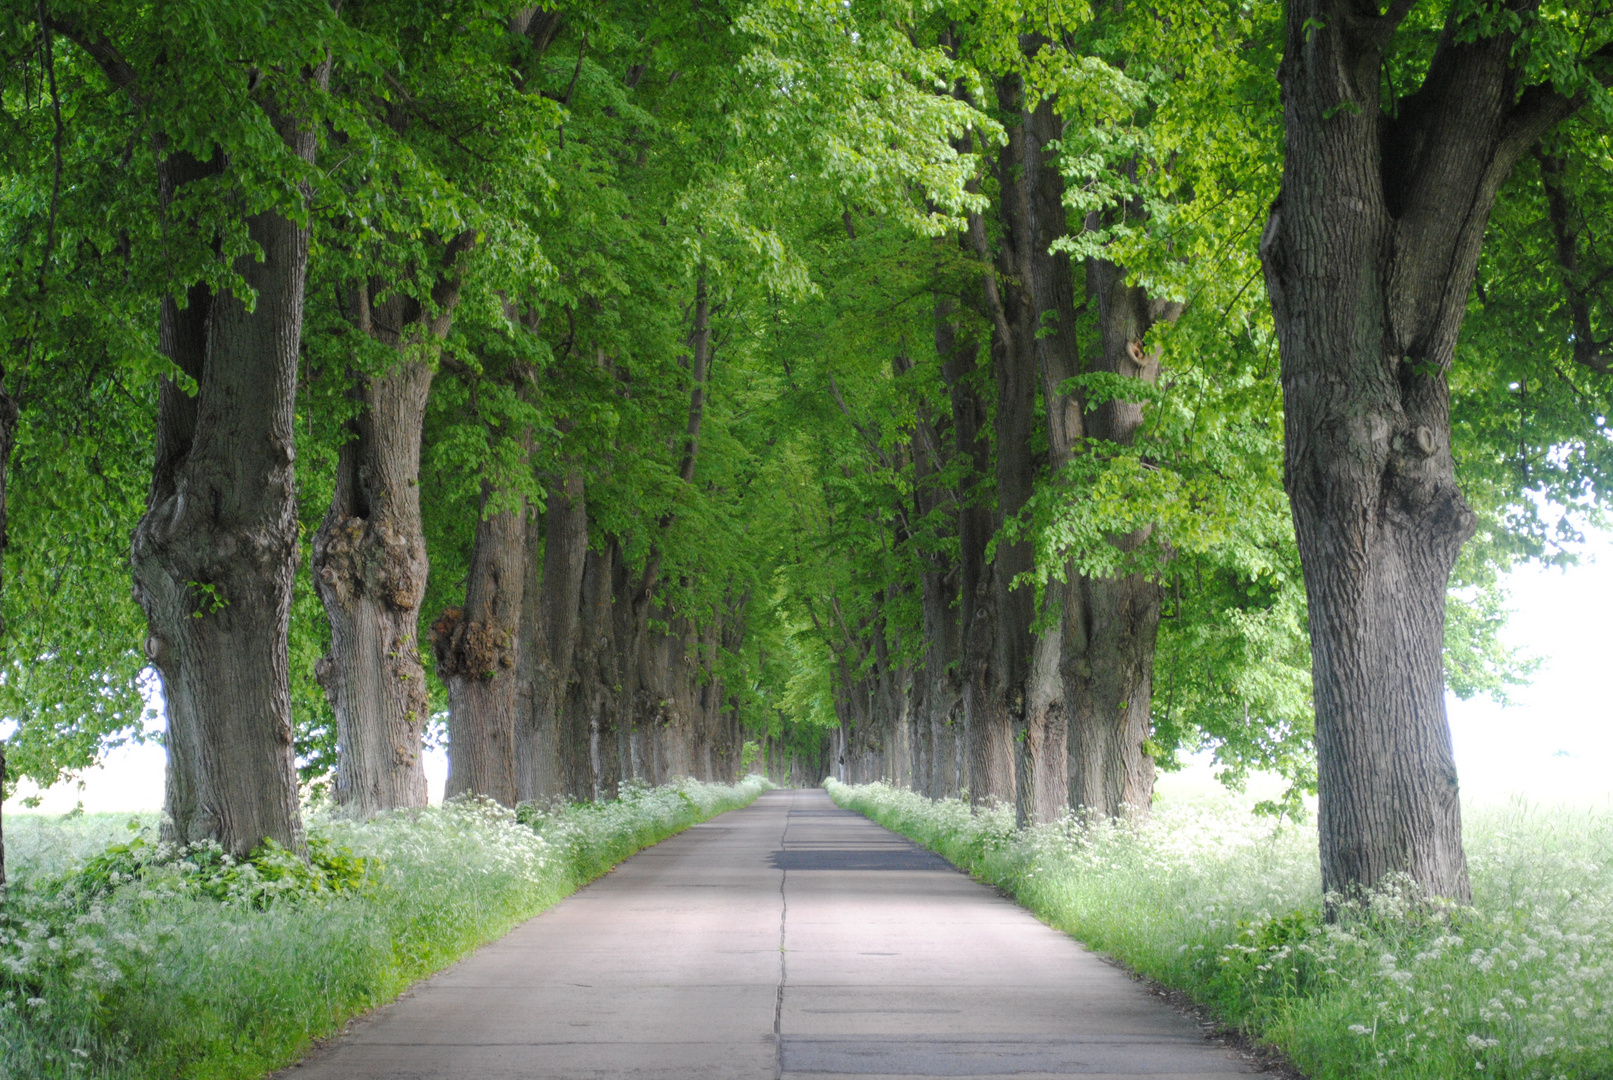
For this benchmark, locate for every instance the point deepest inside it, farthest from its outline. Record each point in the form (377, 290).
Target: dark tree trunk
(1000, 642)
(641, 722)
(588, 723)
(938, 688)
(214, 554)
(476, 648)
(369, 556)
(550, 625)
(1370, 252)
(959, 369)
(1044, 739)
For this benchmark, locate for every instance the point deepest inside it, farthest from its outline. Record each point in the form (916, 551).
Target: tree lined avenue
(1002, 403)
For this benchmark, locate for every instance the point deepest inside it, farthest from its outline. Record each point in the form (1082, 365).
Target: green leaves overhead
(581, 170)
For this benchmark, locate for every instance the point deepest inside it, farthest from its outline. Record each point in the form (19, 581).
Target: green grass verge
(1210, 900)
(155, 977)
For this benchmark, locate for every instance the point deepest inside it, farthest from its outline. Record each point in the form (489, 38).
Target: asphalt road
(788, 939)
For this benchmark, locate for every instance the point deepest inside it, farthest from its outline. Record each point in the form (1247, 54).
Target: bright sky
(1554, 745)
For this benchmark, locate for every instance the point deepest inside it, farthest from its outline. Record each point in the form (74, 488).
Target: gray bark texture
(647, 701)
(1370, 252)
(476, 649)
(214, 554)
(551, 620)
(369, 555)
(1044, 782)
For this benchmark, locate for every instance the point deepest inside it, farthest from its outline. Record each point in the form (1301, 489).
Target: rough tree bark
(1369, 252)
(369, 555)
(1043, 745)
(214, 554)
(476, 648)
(550, 624)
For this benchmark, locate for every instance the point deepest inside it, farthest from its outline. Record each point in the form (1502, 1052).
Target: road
(790, 939)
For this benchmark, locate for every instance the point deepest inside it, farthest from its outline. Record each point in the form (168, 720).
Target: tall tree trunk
(1370, 252)
(550, 625)
(214, 554)
(636, 593)
(937, 691)
(959, 356)
(1114, 621)
(1043, 745)
(476, 648)
(369, 555)
(588, 721)
(1000, 642)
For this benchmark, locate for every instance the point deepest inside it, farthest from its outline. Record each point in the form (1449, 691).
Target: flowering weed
(1228, 907)
(124, 958)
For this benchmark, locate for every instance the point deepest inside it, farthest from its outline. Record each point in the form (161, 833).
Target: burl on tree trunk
(1369, 254)
(369, 555)
(214, 554)
(476, 649)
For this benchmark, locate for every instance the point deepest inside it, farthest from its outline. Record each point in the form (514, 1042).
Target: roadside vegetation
(121, 957)
(1207, 898)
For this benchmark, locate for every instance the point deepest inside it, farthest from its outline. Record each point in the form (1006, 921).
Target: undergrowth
(127, 959)
(1227, 907)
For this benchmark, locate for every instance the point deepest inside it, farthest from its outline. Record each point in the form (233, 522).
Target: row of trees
(1068, 550)
(886, 388)
(490, 270)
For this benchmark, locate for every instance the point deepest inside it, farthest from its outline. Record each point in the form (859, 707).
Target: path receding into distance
(787, 939)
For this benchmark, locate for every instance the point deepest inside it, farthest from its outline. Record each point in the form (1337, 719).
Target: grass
(1213, 901)
(117, 968)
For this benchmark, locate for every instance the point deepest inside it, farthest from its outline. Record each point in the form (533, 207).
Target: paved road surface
(788, 939)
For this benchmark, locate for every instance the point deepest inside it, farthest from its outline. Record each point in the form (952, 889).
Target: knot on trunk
(470, 650)
(358, 557)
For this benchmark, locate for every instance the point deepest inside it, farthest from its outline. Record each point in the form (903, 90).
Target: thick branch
(118, 71)
(1587, 350)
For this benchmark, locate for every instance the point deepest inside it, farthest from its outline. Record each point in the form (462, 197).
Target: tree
(1399, 138)
(449, 163)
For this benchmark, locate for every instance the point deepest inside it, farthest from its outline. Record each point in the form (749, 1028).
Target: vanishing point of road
(788, 939)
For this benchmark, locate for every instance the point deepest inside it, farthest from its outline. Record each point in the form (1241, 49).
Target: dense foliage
(878, 345)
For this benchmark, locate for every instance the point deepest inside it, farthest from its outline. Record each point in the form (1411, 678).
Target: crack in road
(783, 961)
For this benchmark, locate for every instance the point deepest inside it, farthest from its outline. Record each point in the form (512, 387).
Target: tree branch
(106, 56)
(1587, 350)
(1541, 108)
